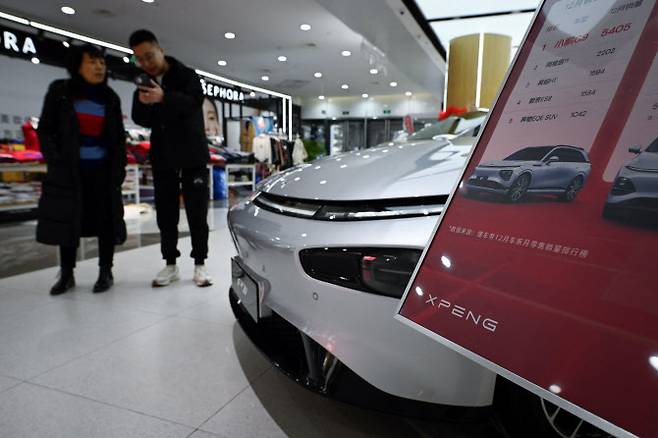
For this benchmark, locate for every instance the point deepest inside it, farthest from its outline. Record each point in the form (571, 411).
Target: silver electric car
(324, 253)
(634, 194)
(550, 170)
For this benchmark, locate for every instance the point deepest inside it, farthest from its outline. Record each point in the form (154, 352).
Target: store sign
(17, 43)
(222, 93)
(543, 266)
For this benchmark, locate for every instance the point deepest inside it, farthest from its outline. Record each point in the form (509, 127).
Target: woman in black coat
(83, 142)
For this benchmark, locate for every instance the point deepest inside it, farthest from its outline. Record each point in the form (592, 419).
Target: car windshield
(443, 127)
(653, 147)
(530, 154)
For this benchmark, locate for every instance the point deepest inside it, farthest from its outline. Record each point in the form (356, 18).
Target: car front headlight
(374, 270)
(623, 186)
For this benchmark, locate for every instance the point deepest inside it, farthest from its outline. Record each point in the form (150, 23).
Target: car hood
(645, 161)
(510, 163)
(427, 168)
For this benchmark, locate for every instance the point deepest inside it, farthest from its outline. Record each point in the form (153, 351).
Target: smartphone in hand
(143, 80)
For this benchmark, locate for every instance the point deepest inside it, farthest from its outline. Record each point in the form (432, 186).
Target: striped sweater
(90, 110)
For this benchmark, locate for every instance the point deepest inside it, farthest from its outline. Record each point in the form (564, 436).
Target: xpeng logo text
(469, 316)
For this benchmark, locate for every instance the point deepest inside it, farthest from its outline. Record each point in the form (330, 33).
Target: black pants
(96, 216)
(168, 184)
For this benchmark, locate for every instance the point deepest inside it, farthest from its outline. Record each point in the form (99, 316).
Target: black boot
(105, 280)
(65, 282)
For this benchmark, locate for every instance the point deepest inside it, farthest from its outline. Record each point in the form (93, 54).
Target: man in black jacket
(171, 105)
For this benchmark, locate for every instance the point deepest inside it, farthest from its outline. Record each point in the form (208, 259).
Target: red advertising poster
(544, 266)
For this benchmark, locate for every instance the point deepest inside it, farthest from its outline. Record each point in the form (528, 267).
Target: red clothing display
(31, 137)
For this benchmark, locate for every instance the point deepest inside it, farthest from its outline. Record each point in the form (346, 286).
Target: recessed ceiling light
(344, 86)
(68, 10)
(252, 94)
(321, 97)
(282, 58)
(317, 74)
(126, 59)
(66, 44)
(346, 53)
(364, 95)
(148, 1)
(221, 62)
(265, 78)
(374, 71)
(408, 93)
(393, 84)
(305, 27)
(35, 60)
(229, 35)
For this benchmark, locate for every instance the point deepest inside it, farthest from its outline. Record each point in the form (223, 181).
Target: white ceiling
(514, 25)
(193, 32)
(433, 9)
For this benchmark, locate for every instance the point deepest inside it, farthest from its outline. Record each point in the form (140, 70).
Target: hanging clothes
(247, 134)
(262, 148)
(299, 154)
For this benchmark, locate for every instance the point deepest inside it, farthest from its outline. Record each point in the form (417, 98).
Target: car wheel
(572, 189)
(519, 188)
(524, 414)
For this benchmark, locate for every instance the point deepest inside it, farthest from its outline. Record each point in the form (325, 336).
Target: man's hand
(151, 95)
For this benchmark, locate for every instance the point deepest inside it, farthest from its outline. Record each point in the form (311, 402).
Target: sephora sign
(221, 93)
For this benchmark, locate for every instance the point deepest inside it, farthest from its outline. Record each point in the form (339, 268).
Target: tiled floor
(143, 362)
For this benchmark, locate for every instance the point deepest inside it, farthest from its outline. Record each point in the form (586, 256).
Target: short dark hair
(76, 54)
(142, 36)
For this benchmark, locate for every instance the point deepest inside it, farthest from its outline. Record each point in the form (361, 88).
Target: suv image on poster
(560, 170)
(634, 194)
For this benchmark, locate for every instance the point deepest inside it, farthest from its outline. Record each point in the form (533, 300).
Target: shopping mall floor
(144, 362)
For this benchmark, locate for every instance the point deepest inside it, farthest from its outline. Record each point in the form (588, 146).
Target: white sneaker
(168, 275)
(201, 277)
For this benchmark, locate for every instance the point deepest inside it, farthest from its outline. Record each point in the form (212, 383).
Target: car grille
(351, 210)
(484, 183)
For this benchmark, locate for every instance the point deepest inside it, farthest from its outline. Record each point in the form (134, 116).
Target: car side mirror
(635, 150)
(553, 159)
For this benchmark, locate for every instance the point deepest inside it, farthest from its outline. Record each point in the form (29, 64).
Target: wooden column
(476, 68)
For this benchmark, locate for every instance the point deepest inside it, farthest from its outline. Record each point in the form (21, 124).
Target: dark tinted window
(569, 155)
(530, 154)
(653, 147)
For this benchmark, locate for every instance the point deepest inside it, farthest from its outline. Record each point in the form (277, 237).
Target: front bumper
(356, 327)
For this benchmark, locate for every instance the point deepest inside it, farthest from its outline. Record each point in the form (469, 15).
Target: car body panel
(357, 327)
(418, 169)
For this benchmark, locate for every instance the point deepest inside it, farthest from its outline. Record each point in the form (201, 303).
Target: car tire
(520, 186)
(572, 189)
(524, 414)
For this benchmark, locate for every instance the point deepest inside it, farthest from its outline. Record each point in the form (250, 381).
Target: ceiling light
(282, 58)
(229, 35)
(265, 78)
(148, 1)
(364, 95)
(35, 60)
(393, 84)
(126, 59)
(252, 94)
(68, 10)
(374, 71)
(305, 27)
(222, 62)
(66, 44)
(344, 86)
(346, 53)
(408, 93)
(321, 97)
(317, 74)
